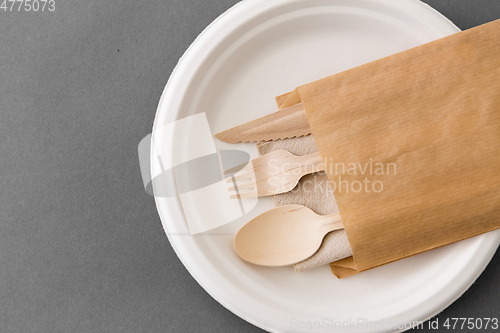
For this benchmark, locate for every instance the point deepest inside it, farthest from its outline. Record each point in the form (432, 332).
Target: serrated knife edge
(286, 123)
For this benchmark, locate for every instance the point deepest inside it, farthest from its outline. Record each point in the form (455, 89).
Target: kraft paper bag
(411, 144)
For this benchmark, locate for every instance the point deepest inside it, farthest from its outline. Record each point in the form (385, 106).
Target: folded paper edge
(289, 99)
(281, 99)
(344, 267)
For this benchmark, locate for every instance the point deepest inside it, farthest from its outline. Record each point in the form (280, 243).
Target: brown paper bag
(412, 146)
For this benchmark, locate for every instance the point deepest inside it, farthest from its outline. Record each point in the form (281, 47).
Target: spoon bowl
(284, 235)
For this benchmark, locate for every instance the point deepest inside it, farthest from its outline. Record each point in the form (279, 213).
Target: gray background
(81, 246)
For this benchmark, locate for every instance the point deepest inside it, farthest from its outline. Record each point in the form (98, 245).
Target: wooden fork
(273, 173)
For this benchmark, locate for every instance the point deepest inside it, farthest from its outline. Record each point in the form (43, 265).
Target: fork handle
(312, 163)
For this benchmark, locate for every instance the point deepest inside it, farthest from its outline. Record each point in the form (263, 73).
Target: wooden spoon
(284, 236)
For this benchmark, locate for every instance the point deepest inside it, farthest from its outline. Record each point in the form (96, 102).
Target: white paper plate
(260, 49)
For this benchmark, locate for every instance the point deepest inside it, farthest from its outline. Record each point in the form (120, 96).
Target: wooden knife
(287, 123)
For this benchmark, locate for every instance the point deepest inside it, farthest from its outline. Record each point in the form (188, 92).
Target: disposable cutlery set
(433, 111)
(289, 234)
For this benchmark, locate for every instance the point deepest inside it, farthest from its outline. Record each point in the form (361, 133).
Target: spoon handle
(330, 222)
